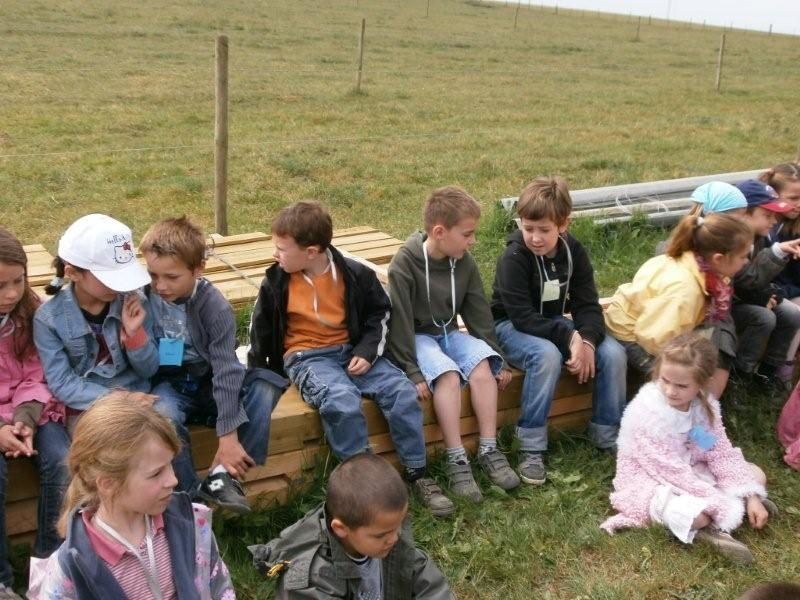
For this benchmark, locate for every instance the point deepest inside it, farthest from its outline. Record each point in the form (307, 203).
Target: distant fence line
(221, 145)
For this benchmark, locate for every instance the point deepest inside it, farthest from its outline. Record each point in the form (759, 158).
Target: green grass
(109, 107)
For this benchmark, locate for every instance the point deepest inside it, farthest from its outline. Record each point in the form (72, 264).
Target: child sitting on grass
(323, 318)
(199, 378)
(127, 535)
(357, 545)
(543, 274)
(675, 464)
(432, 279)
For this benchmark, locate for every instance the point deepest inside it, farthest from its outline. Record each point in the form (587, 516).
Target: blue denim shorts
(461, 354)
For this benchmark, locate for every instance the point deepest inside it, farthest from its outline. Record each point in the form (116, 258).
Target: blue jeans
(460, 353)
(258, 398)
(542, 361)
(322, 378)
(52, 443)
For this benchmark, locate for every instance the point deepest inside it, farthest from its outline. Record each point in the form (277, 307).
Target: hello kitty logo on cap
(105, 247)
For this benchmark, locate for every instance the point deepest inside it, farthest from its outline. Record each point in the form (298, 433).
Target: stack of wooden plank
(296, 440)
(237, 262)
(296, 445)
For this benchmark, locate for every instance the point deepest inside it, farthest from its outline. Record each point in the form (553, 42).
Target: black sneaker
(224, 491)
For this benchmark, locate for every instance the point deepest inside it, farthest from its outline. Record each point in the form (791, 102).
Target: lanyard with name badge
(150, 571)
(442, 324)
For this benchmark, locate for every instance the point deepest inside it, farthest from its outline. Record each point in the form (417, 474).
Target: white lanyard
(442, 324)
(3, 323)
(150, 572)
(315, 300)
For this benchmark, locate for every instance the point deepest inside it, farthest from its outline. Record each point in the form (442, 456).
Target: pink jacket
(649, 455)
(23, 381)
(789, 429)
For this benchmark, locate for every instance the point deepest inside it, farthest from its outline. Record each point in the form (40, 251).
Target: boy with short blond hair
(432, 280)
(322, 318)
(543, 274)
(200, 379)
(356, 545)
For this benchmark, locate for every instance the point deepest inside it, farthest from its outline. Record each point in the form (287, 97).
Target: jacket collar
(73, 317)
(95, 580)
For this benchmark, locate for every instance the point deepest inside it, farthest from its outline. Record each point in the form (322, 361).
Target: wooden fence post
(360, 55)
(516, 14)
(428, 9)
(719, 60)
(638, 28)
(221, 138)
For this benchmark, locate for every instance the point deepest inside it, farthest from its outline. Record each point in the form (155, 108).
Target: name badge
(704, 439)
(170, 352)
(551, 291)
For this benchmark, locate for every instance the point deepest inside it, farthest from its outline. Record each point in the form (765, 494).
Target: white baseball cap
(104, 246)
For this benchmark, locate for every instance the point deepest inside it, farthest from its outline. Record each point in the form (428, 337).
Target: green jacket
(317, 566)
(411, 313)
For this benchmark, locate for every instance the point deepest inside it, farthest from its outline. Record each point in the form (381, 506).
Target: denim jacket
(68, 351)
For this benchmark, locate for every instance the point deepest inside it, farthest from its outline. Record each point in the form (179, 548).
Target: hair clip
(699, 222)
(57, 282)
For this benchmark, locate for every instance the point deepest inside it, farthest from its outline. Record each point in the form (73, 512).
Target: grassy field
(108, 107)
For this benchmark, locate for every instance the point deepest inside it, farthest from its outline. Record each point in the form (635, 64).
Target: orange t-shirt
(308, 328)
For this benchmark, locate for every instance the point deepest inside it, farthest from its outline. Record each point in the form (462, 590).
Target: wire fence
(124, 108)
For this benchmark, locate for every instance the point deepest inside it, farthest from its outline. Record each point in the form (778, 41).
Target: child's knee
(482, 373)
(449, 381)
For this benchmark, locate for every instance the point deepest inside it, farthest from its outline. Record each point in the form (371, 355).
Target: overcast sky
(784, 15)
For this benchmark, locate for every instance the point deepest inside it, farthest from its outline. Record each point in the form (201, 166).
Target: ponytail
(706, 235)
(57, 282)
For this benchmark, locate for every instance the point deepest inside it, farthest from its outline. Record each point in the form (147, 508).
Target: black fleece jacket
(517, 292)
(367, 310)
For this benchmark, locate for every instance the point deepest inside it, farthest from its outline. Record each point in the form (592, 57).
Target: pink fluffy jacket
(651, 451)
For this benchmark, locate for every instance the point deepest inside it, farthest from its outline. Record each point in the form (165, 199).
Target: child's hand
(25, 434)
(133, 314)
(588, 364)
(791, 247)
(358, 366)
(10, 445)
(756, 513)
(503, 379)
(423, 391)
(772, 302)
(232, 456)
(575, 363)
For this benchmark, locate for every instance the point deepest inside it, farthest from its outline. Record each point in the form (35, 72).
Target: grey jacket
(317, 566)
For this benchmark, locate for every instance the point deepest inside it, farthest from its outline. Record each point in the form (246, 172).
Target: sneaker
(497, 468)
(430, 494)
(462, 482)
(531, 468)
(224, 491)
(6, 593)
(733, 549)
